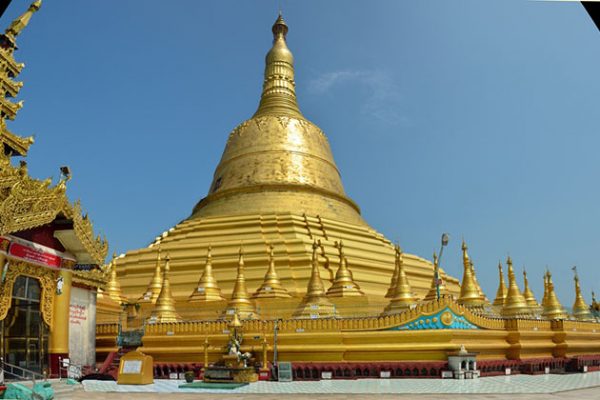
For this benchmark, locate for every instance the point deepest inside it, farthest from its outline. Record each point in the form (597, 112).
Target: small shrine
(462, 365)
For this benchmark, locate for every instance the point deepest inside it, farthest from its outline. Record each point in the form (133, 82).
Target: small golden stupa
(153, 290)
(113, 288)
(315, 302)
(470, 292)
(501, 292)
(402, 296)
(207, 289)
(164, 309)
(514, 304)
(581, 310)
(271, 287)
(552, 309)
(529, 296)
(343, 284)
(240, 303)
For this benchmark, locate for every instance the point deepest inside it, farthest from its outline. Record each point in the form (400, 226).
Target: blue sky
(477, 118)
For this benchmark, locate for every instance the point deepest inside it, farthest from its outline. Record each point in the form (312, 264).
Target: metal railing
(71, 369)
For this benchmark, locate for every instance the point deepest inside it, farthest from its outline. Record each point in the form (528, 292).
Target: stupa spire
(155, 286)
(279, 88)
(315, 303)
(501, 292)
(164, 309)
(240, 301)
(402, 296)
(394, 280)
(113, 288)
(552, 309)
(21, 22)
(515, 304)
(208, 288)
(528, 294)
(581, 310)
(469, 292)
(271, 286)
(437, 283)
(343, 284)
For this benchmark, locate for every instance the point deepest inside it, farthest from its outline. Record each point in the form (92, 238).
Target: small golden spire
(581, 310)
(479, 289)
(315, 303)
(279, 94)
(515, 304)
(164, 309)
(271, 287)
(113, 288)
(207, 289)
(394, 280)
(20, 23)
(402, 297)
(240, 301)
(501, 292)
(469, 293)
(343, 284)
(552, 309)
(545, 297)
(528, 294)
(437, 283)
(155, 286)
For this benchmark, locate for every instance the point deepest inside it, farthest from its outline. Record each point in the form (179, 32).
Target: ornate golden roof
(278, 161)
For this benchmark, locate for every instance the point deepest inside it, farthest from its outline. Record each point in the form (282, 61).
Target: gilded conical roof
(315, 303)
(501, 292)
(552, 308)
(240, 301)
(514, 304)
(155, 286)
(164, 309)
(343, 284)
(581, 310)
(402, 296)
(271, 286)
(470, 293)
(207, 289)
(278, 161)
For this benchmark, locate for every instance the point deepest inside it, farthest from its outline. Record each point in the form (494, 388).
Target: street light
(445, 240)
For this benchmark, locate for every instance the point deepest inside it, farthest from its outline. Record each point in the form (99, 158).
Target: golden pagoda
(164, 309)
(581, 310)
(113, 288)
(155, 286)
(501, 292)
(207, 289)
(528, 295)
(402, 296)
(343, 285)
(240, 302)
(514, 304)
(470, 292)
(394, 280)
(277, 180)
(271, 287)
(552, 309)
(315, 303)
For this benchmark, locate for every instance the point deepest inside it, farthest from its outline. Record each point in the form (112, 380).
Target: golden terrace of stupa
(279, 244)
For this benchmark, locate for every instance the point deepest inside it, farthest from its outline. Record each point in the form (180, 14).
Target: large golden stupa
(277, 185)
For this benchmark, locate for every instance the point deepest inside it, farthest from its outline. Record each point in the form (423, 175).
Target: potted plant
(189, 376)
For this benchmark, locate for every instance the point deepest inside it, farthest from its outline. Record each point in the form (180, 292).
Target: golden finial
(437, 283)
(113, 288)
(315, 303)
(20, 23)
(581, 310)
(240, 300)
(164, 309)
(208, 288)
(155, 286)
(279, 93)
(514, 304)
(343, 284)
(394, 280)
(235, 321)
(402, 297)
(528, 294)
(552, 309)
(469, 293)
(501, 292)
(271, 286)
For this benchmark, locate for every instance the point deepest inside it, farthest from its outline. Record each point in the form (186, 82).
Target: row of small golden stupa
(509, 301)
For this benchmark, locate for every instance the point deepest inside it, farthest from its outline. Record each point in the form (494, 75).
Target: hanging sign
(21, 249)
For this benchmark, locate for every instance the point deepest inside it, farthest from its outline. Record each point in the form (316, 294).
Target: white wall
(82, 327)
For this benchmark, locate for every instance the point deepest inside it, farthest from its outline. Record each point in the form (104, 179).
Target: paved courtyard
(571, 386)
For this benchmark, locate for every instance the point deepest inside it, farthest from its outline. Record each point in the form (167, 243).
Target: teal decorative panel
(443, 319)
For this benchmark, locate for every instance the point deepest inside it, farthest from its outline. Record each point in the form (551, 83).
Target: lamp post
(445, 240)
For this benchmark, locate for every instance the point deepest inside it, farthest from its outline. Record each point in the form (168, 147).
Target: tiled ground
(492, 385)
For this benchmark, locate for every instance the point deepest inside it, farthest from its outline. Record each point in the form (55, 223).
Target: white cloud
(383, 100)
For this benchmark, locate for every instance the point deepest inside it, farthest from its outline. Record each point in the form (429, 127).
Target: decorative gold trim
(47, 279)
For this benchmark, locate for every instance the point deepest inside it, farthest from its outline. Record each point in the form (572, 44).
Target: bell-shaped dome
(278, 161)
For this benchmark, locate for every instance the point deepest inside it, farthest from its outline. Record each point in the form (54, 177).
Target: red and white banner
(21, 249)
